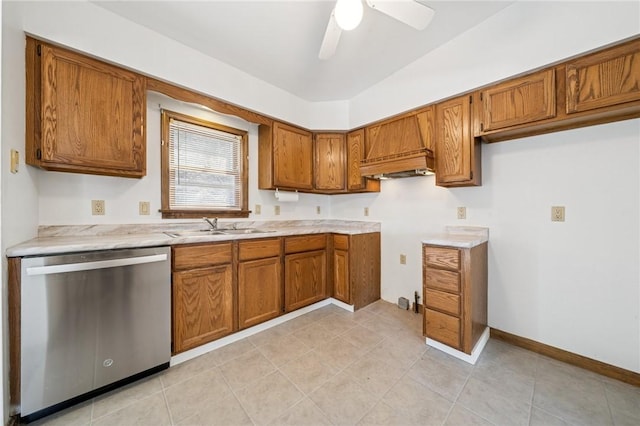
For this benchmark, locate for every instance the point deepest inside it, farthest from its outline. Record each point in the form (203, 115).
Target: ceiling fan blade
(331, 38)
(410, 12)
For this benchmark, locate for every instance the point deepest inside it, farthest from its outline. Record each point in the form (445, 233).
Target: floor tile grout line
(166, 403)
(606, 397)
(235, 395)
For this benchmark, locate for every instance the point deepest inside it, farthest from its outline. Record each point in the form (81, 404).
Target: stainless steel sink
(209, 232)
(196, 233)
(244, 231)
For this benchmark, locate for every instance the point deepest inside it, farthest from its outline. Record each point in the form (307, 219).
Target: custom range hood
(400, 147)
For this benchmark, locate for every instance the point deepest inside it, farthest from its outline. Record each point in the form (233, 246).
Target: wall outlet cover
(258, 209)
(462, 212)
(276, 210)
(366, 211)
(144, 208)
(557, 213)
(97, 207)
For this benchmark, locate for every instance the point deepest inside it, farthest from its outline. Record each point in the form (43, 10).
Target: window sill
(199, 214)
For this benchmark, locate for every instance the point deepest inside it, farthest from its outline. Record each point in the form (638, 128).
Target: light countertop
(459, 236)
(69, 239)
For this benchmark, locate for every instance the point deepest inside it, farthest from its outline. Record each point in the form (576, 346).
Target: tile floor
(368, 368)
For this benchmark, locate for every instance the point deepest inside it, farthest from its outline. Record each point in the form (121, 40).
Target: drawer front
(305, 243)
(442, 301)
(442, 257)
(200, 255)
(443, 328)
(442, 280)
(340, 242)
(258, 249)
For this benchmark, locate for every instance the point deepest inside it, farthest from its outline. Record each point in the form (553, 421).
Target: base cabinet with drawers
(455, 294)
(202, 294)
(305, 269)
(259, 281)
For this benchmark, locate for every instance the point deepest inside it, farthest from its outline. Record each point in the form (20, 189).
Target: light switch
(15, 160)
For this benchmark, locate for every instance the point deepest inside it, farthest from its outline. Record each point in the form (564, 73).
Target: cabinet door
(519, 101)
(604, 79)
(292, 157)
(202, 306)
(91, 116)
(305, 279)
(457, 154)
(355, 154)
(330, 161)
(341, 288)
(259, 291)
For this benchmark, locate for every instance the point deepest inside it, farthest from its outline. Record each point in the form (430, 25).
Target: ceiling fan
(347, 14)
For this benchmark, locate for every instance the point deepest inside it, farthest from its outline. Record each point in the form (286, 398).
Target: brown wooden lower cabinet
(356, 268)
(259, 281)
(203, 301)
(455, 295)
(305, 270)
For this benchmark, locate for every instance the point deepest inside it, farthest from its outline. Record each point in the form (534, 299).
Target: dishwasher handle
(100, 264)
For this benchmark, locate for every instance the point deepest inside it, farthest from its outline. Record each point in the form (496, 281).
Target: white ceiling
(278, 41)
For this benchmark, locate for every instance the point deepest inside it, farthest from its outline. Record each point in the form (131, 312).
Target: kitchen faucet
(212, 222)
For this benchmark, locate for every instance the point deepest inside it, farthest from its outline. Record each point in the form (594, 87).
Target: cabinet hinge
(470, 99)
(471, 175)
(39, 50)
(482, 127)
(480, 95)
(38, 154)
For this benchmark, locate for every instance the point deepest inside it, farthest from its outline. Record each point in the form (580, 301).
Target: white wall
(574, 285)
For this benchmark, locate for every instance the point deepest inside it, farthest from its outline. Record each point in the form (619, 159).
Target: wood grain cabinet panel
(203, 295)
(203, 306)
(356, 268)
(604, 79)
(457, 151)
(285, 157)
(305, 279)
(330, 160)
(355, 154)
(259, 291)
(519, 101)
(455, 300)
(83, 115)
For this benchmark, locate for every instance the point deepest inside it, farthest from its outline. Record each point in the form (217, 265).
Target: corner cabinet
(305, 270)
(259, 281)
(285, 156)
(455, 294)
(457, 151)
(356, 268)
(330, 160)
(83, 115)
(203, 294)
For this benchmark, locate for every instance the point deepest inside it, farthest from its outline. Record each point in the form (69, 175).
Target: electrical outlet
(557, 213)
(366, 211)
(97, 207)
(276, 210)
(258, 209)
(143, 208)
(403, 259)
(318, 209)
(462, 212)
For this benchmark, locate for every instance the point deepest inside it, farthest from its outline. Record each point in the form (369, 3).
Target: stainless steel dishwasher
(91, 322)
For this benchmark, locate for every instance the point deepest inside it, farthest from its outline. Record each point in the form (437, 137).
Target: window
(204, 168)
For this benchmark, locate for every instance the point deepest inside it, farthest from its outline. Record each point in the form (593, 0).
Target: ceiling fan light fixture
(348, 13)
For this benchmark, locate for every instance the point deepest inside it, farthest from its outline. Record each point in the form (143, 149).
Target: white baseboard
(475, 353)
(224, 341)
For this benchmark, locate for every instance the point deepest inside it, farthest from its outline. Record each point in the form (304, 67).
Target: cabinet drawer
(258, 249)
(442, 257)
(305, 243)
(443, 328)
(341, 242)
(200, 255)
(442, 301)
(442, 280)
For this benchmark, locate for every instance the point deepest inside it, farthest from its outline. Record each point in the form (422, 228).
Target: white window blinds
(204, 168)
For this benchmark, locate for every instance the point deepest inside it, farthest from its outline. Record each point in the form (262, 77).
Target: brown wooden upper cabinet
(330, 161)
(520, 101)
(604, 79)
(83, 115)
(457, 151)
(355, 154)
(285, 157)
